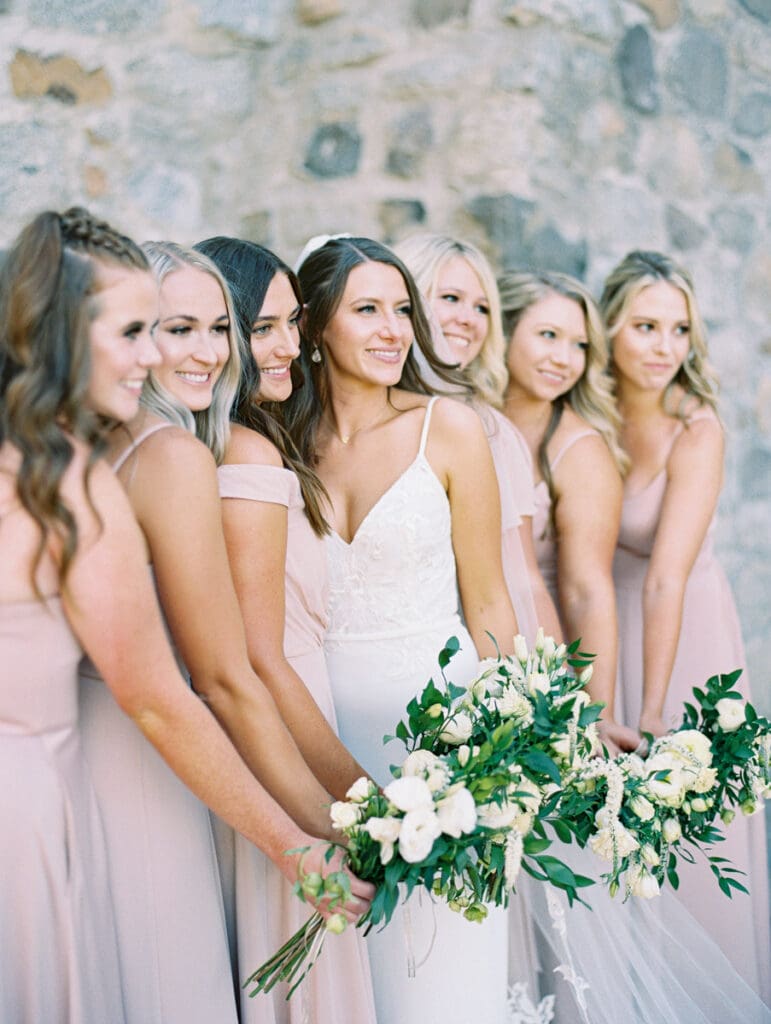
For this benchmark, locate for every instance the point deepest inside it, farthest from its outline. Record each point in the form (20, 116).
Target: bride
(415, 542)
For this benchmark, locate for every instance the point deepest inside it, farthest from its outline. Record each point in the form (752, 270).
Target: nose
(559, 352)
(390, 328)
(148, 354)
(289, 343)
(205, 350)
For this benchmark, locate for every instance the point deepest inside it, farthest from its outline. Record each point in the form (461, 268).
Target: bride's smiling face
(368, 337)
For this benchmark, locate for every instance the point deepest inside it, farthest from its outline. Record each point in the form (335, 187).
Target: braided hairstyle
(47, 283)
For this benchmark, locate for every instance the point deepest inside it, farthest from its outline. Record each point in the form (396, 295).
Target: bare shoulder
(247, 447)
(174, 450)
(455, 416)
(703, 437)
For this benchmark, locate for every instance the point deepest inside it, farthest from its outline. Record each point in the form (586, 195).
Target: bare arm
(111, 605)
(694, 479)
(256, 538)
(173, 489)
(587, 517)
(458, 443)
(544, 606)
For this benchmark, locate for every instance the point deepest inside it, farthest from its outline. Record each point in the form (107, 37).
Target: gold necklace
(346, 438)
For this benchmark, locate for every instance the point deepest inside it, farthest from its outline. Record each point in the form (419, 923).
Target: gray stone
(397, 215)
(664, 12)
(594, 18)
(735, 170)
(94, 16)
(334, 150)
(683, 231)
(353, 50)
(699, 72)
(638, 73)
(734, 228)
(503, 218)
(412, 135)
(193, 90)
(167, 195)
(256, 20)
(759, 8)
(33, 159)
(257, 227)
(548, 249)
(753, 115)
(756, 473)
(433, 12)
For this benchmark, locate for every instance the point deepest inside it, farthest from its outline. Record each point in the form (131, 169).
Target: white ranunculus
(361, 790)
(344, 815)
(642, 807)
(419, 830)
(409, 793)
(643, 884)
(730, 714)
(538, 682)
(457, 729)
(672, 831)
(457, 812)
(384, 831)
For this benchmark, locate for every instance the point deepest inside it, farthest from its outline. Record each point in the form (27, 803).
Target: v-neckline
(386, 492)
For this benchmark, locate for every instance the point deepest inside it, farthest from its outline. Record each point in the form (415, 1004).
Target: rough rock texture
(547, 131)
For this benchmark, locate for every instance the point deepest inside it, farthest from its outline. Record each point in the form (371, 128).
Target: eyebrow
(189, 319)
(276, 316)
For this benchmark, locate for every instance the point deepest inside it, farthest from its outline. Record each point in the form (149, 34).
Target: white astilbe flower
(512, 857)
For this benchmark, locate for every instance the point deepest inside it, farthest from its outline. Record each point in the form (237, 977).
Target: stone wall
(560, 132)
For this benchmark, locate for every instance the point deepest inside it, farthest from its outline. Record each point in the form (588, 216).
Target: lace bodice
(399, 567)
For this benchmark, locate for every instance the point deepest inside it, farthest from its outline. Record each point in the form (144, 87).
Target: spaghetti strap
(569, 444)
(136, 443)
(426, 423)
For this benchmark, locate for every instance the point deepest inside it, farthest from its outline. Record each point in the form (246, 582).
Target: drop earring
(316, 354)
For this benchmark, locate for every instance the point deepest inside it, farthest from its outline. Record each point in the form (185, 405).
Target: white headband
(316, 243)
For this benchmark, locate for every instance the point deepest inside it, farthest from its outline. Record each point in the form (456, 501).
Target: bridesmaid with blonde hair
(677, 619)
(169, 903)
(459, 285)
(560, 399)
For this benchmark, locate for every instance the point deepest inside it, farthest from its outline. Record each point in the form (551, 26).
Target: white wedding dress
(393, 606)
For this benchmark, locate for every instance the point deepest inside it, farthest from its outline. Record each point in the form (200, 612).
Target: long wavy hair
(639, 270)
(323, 276)
(49, 285)
(212, 425)
(592, 396)
(425, 255)
(249, 270)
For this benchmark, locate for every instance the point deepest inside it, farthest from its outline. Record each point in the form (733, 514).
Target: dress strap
(569, 444)
(136, 443)
(426, 424)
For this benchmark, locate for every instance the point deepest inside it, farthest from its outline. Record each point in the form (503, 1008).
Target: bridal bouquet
(467, 807)
(642, 816)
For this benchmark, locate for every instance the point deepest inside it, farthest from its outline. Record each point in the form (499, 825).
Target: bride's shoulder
(455, 415)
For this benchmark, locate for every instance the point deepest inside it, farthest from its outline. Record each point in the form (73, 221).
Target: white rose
(419, 830)
(650, 856)
(699, 804)
(538, 682)
(361, 790)
(705, 780)
(498, 817)
(520, 648)
(384, 831)
(424, 764)
(457, 729)
(625, 841)
(409, 793)
(457, 813)
(343, 815)
(670, 789)
(672, 830)
(730, 714)
(463, 754)
(642, 807)
(694, 742)
(643, 884)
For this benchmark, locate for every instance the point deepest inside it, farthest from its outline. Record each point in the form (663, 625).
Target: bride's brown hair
(47, 284)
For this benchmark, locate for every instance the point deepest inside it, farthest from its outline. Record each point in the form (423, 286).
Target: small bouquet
(467, 807)
(641, 816)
